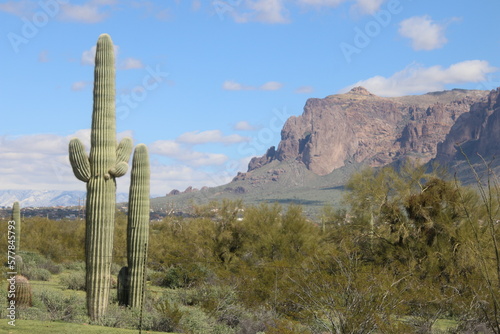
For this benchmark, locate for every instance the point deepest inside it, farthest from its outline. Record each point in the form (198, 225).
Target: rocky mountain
(476, 132)
(337, 135)
(46, 198)
(359, 127)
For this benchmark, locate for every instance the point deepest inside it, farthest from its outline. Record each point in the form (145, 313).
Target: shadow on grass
(339, 188)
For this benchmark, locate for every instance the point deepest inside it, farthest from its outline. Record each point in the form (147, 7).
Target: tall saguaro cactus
(106, 162)
(138, 224)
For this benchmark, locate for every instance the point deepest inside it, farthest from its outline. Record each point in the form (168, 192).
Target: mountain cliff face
(477, 132)
(359, 127)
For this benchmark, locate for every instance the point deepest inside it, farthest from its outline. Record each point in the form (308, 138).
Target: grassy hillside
(277, 182)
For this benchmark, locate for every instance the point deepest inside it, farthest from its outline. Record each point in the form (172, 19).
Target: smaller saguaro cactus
(138, 224)
(19, 291)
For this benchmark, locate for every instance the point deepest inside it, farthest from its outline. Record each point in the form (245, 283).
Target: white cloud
(271, 85)
(265, 11)
(104, 2)
(367, 7)
(209, 136)
(40, 162)
(89, 12)
(424, 33)
(174, 150)
(244, 126)
(168, 148)
(304, 90)
(18, 8)
(360, 7)
(321, 3)
(164, 178)
(131, 63)
(418, 79)
(88, 56)
(92, 11)
(233, 85)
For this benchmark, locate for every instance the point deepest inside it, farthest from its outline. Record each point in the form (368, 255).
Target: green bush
(168, 316)
(58, 306)
(74, 280)
(51, 267)
(37, 267)
(182, 276)
(37, 274)
(78, 265)
(120, 317)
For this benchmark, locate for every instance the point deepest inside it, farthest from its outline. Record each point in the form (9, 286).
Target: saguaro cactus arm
(79, 160)
(124, 150)
(122, 157)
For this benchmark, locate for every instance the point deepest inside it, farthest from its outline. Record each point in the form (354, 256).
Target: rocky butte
(477, 132)
(360, 127)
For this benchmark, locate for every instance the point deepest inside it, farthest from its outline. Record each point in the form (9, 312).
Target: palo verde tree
(106, 161)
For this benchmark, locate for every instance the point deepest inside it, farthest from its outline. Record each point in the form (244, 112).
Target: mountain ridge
(47, 198)
(360, 129)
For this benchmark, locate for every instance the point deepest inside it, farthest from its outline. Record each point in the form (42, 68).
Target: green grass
(444, 325)
(56, 327)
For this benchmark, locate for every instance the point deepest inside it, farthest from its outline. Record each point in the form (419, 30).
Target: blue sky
(209, 84)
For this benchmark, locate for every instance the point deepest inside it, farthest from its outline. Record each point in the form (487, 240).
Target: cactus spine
(99, 170)
(16, 216)
(138, 224)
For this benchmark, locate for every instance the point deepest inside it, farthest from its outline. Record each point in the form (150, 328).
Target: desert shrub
(168, 316)
(74, 280)
(37, 267)
(33, 313)
(255, 323)
(36, 274)
(194, 320)
(78, 265)
(62, 307)
(120, 317)
(52, 267)
(182, 276)
(218, 301)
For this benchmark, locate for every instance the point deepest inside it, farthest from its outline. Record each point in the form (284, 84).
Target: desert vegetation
(409, 252)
